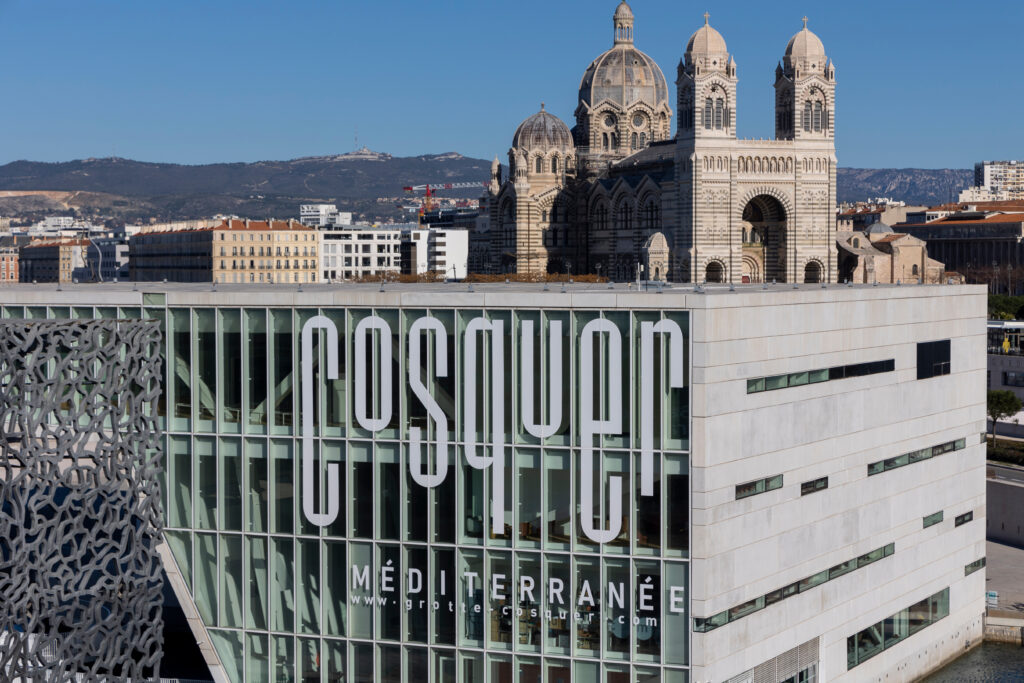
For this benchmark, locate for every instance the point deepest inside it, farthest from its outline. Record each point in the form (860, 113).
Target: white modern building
(512, 482)
(323, 215)
(436, 250)
(357, 252)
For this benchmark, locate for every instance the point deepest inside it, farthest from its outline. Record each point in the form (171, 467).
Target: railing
(1000, 351)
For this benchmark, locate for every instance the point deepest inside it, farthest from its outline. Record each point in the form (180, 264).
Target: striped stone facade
(732, 210)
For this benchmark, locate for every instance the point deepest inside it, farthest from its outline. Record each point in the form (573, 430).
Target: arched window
(604, 141)
(643, 139)
(913, 270)
(719, 113)
(807, 117)
(554, 214)
(634, 141)
(625, 221)
(708, 113)
(817, 117)
(540, 168)
(615, 141)
(554, 164)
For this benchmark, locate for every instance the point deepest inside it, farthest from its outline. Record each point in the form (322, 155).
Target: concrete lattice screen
(80, 508)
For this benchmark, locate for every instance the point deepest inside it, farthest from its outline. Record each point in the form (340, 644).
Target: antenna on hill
(357, 138)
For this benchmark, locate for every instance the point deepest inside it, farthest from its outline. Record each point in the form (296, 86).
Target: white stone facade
(742, 549)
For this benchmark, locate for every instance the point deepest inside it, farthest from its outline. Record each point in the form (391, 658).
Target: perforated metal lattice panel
(80, 512)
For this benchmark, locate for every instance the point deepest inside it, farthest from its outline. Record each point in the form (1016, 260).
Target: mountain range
(367, 183)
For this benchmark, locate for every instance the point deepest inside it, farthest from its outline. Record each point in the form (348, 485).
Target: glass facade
(430, 494)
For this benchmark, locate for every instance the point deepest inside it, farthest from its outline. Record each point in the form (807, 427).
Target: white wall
(746, 548)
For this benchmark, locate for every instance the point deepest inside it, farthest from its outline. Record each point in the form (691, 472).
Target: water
(987, 663)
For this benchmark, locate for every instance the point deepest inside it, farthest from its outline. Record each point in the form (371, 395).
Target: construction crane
(431, 189)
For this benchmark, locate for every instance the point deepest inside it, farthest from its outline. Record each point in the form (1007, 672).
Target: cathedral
(602, 196)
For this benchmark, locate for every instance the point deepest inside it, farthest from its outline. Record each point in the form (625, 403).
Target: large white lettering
(433, 409)
(496, 461)
(309, 487)
(600, 404)
(373, 424)
(592, 425)
(544, 429)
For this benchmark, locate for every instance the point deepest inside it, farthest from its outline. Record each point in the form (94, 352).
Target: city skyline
(218, 84)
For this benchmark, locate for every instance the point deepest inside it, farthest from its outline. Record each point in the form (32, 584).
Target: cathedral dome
(805, 45)
(543, 131)
(624, 75)
(706, 41)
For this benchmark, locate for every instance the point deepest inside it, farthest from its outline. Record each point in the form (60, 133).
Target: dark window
(796, 379)
(932, 519)
(974, 566)
(813, 486)
(742, 610)
(915, 456)
(1013, 379)
(760, 486)
(932, 359)
(963, 519)
(864, 645)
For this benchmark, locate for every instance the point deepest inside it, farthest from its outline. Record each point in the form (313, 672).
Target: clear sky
(927, 84)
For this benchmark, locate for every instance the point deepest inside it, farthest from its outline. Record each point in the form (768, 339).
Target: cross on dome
(805, 21)
(707, 15)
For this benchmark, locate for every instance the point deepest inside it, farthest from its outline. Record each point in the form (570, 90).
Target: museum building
(514, 482)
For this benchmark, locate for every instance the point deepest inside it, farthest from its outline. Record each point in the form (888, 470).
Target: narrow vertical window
(817, 117)
(708, 114)
(719, 113)
(807, 117)
(554, 165)
(539, 167)
(604, 141)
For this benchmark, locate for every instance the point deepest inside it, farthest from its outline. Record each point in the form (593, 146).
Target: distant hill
(912, 185)
(135, 190)
(264, 188)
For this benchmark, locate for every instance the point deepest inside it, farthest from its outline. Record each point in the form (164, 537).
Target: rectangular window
(932, 519)
(864, 645)
(963, 519)
(796, 379)
(932, 359)
(915, 456)
(760, 486)
(742, 610)
(1013, 379)
(813, 486)
(974, 566)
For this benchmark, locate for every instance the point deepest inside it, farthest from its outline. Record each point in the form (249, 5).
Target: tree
(1002, 404)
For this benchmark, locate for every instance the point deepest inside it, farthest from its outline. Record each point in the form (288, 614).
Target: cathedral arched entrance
(764, 239)
(714, 272)
(812, 272)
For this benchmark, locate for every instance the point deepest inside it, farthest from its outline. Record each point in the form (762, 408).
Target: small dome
(543, 131)
(805, 45)
(878, 228)
(623, 11)
(706, 40)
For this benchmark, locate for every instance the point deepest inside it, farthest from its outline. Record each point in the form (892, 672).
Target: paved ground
(1005, 471)
(1004, 572)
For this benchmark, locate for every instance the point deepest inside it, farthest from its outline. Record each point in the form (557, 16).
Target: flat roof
(464, 295)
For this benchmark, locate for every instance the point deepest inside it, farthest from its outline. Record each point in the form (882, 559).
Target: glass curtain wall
(409, 582)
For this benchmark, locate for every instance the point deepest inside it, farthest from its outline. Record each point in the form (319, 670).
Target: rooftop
(496, 295)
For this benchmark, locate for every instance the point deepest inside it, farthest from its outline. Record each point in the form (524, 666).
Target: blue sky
(922, 84)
